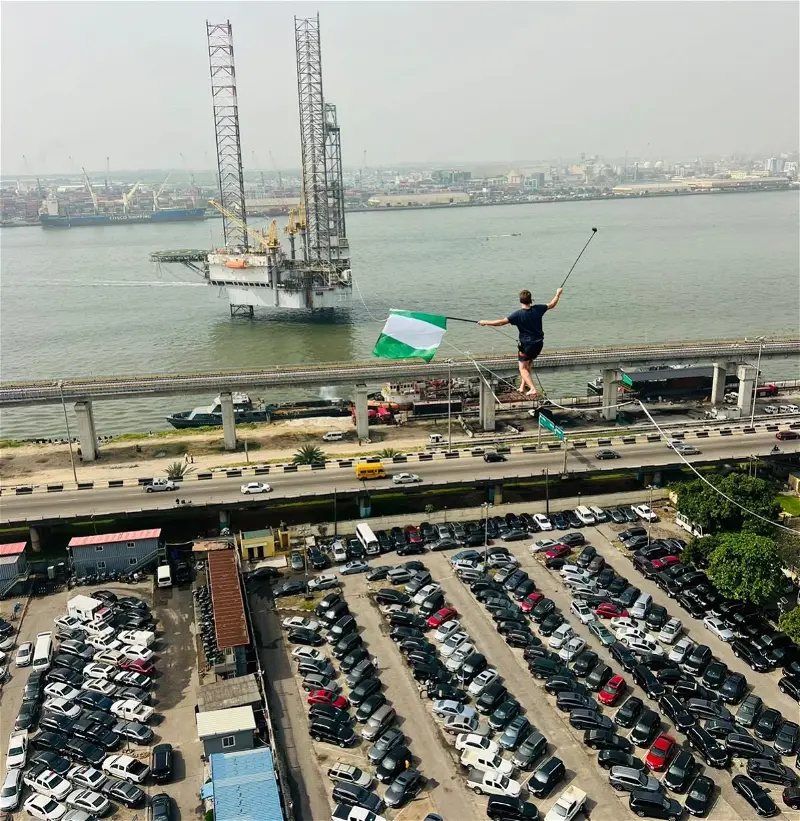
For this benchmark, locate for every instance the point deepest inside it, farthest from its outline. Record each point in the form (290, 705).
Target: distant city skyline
(435, 84)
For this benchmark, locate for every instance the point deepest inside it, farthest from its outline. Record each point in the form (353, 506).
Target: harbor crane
(90, 190)
(277, 171)
(263, 241)
(157, 194)
(126, 198)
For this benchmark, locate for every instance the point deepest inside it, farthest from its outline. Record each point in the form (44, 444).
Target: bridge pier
(87, 436)
(224, 519)
(228, 420)
(611, 380)
(747, 382)
(35, 534)
(718, 385)
(487, 407)
(362, 413)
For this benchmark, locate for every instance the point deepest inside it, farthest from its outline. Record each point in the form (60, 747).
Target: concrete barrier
(205, 475)
(115, 482)
(85, 485)
(23, 489)
(54, 488)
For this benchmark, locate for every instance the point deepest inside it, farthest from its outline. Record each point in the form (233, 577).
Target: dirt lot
(174, 690)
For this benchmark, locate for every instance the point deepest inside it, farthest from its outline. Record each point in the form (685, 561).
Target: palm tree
(309, 455)
(177, 470)
(389, 453)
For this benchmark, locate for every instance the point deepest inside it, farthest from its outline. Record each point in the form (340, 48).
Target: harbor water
(88, 302)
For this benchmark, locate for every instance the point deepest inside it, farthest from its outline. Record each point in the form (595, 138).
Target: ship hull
(167, 215)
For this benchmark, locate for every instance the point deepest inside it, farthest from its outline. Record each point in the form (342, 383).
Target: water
(87, 302)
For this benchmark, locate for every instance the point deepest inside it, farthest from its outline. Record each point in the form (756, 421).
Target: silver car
(378, 722)
(630, 779)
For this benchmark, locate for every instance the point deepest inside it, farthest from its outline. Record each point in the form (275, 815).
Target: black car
(787, 737)
(648, 804)
(530, 751)
(628, 714)
(551, 623)
(556, 685)
(749, 711)
(686, 689)
(291, 587)
(544, 607)
(56, 724)
(369, 705)
(646, 679)
(82, 750)
(50, 741)
(742, 745)
(346, 645)
(504, 713)
(567, 701)
(334, 732)
(390, 739)
(676, 711)
(698, 660)
(302, 636)
(34, 687)
(508, 808)
(599, 677)
(720, 728)
(704, 708)
(546, 777)
(52, 760)
(404, 788)
(755, 795)
(753, 658)
(403, 619)
(773, 772)
(95, 701)
(582, 718)
(416, 644)
(646, 729)
(709, 749)
(399, 634)
(355, 796)
(715, 674)
(656, 617)
(680, 772)
(27, 716)
(162, 763)
(790, 686)
(393, 763)
(699, 796)
(491, 698)
(65, 676)
(363, 689)
(585, 663)
(390, 595)
(353, 658)
(766, 728)
(624, 656)
(328, 711)
(70, 662)
(518, 637)
(161, 807)
(606, 740)
(670, 676)
(123, 791)
(585, 556)
(617, 758)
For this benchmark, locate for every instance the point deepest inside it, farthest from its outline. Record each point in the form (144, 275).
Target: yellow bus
(370, 470)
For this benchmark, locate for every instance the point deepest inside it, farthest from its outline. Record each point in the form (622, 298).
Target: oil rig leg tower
(252, 266)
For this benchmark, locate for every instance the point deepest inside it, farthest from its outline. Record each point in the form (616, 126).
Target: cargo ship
(244, 410)
(69, 220)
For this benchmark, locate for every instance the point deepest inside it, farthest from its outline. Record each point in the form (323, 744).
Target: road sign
(547, 424)
(626, 380)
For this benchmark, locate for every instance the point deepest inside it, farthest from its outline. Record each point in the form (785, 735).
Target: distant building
(226, 731)
(126, 552)
(451, 177)
(13, 567)
(412, 200)
(773, 165)
(514, 178)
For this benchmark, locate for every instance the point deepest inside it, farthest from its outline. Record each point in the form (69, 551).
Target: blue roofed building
(245, 786)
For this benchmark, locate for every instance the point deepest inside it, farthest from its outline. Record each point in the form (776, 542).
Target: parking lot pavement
(447, 788)
(539, 708)
(308, 788)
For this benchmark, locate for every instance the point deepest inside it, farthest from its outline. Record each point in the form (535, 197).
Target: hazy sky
(438, 82)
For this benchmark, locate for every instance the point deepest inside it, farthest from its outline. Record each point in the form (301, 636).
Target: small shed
(126, 552)
(230, 692)
(13, 566)
(223, 731)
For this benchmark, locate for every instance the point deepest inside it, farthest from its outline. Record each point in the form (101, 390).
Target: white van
(43, 652)
(164, 576)
(435, 439)
(599, 514)
(585, 515)
(771, 409)
(333, 436)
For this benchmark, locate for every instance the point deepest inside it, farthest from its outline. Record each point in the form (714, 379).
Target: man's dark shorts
(529, 353)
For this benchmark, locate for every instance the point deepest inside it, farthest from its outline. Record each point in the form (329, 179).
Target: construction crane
(191, 175)
(277, 171)
(157, 194)
(90, 189)
(273, 243)
(126, 198)
(263, 241)
(292, 228)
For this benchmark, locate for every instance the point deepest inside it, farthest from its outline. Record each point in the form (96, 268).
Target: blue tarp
(245, 786)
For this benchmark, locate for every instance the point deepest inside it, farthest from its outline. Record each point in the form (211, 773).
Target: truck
(721, 414)
(159, 485)
(491, 782)
(486, 761)
(84, 608)
(569, 804)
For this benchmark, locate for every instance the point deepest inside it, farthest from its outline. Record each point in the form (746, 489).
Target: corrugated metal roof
(109, 538)
(13, 549)
(221, 722)
(231, 692)
(245, 786)
(226, 596)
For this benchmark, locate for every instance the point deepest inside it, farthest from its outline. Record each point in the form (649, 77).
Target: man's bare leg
(527, 379)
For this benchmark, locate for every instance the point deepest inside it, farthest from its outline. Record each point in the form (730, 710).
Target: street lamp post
(755, 381)
(547, 490)
(449, 405)
(335, 518)
(650, 517)
(486, 535)
(69, 435)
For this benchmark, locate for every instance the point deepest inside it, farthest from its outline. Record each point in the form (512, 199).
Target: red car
(787, 434)
(412, 534)
(146, 668)
(615, 687)
(667, 561)
(530, 601)
(441, 616)
(607, 610)
(557, 551)
(660, 754)
(327, 697)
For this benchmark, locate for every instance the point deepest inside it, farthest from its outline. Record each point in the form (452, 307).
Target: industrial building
(230, 622)
(128, 552)
(227, 730)
(244, 787)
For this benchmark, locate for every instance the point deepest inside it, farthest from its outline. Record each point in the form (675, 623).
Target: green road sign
(548, 425)
(626, 380)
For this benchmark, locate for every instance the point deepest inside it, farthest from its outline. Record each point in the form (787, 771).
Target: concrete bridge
(728, 356)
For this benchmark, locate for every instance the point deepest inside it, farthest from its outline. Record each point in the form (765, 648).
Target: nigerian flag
(410, 335)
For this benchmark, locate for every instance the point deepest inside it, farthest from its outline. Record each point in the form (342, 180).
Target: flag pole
(461, 319)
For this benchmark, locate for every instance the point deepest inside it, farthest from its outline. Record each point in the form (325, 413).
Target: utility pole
(650, 517)
(547, 490)
(69, 435)
(755, 381)
(449, 405)
(485, 535)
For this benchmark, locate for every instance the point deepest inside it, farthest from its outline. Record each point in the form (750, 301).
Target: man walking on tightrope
(528, 320)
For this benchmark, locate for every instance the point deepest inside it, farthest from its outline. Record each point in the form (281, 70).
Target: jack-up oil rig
(253, 267)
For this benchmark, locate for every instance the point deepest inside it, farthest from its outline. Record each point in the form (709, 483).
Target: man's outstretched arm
(554, 301)
(493, 322)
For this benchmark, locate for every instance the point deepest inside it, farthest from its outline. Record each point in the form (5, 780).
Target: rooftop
(232, 692)
(226, 596)
(245, 786)
(223, 722)
(111, 538)
(13, 549)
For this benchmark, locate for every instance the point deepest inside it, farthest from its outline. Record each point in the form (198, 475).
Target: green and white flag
(410, 335)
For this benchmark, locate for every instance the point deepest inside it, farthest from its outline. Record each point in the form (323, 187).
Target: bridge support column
(718, 385)
(487, 407)
(87, 436)
(362, 413)
(228, 420)
(224, 519)
(496, 494)
(656, 479)
(747, 382)
(611, 380)
(364, 505)
(36, 539)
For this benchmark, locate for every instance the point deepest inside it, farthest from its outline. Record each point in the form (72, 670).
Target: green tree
(309, 455)
(790, 624)
(698, 551)
(428, 510)
(709, 508)
(389, 453)
(177, 470)
(747, 567)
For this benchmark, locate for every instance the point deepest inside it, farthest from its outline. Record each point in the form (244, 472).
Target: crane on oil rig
(90, 189)
(157, 194)
(263, 241)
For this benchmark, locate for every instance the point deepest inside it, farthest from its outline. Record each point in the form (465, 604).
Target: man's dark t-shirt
(528, 322)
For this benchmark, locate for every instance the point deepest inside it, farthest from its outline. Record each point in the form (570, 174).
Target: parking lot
(174, 691)
(432, 750)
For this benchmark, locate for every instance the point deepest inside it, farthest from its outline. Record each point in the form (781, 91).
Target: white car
(344, 812)
(446, 630)
(643, 647)
(670, 631)
(623, 623)
(339, 552)
(644, 512)
(256, 487)
(405, 478)
(17, 750)
(104, 643)
(718, 628)
(452, 644)
(48, 783)
(62, 707)
(543, 522)
(98, 669)
(300, 621)
(8, 642)
(58, 689)
(310, 653)
(11, 790)
(482, 681)
(681, 651)
(99, 685)
(426, 591)
(455, 661)
(571, 649)
(444, 708)
(632, 633)
(569, 804)
(561, 635)
(473, 741)
(114, 657)
(24, 654)
(492, 782)
(89, 801)
(543, 544)
(44, 808)
(83, 775)
(134, 652)
(126, 767)
(144, 637)
(324, 581)
(131, 710)
(68, 623)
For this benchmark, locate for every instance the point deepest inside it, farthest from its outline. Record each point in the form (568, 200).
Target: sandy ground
(151, 455)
